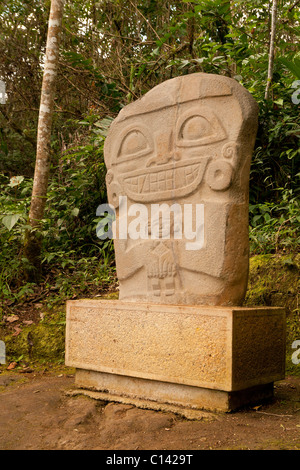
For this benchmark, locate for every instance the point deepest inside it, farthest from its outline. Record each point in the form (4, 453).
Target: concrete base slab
(167, 397)
(189, 357)
(186, 413)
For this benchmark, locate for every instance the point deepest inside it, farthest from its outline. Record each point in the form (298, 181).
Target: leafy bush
(275, 226)
(15, 196)
(73, 258)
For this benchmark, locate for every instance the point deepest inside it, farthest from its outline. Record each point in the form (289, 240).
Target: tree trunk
(32, 246)
(272, 48)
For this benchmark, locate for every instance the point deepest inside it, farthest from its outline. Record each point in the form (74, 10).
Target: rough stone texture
(187, 141)
(183, 355)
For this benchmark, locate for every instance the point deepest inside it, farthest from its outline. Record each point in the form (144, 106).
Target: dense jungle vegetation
(111, 53)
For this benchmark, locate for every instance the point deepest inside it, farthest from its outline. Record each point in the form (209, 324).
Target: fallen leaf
(12, 318)
(26, 370)
(17, 331)
(12, 365)
(27, 322)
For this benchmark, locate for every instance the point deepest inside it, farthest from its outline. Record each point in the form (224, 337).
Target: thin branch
(161, 60)
(17, 128)
(273, 414)
(84, 94)
(138, 41)
(145, 19)
(272, 48)
(293, 6)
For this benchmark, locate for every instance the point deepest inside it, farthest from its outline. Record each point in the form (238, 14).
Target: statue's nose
(164, 149)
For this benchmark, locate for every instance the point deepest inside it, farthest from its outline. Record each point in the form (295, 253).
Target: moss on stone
(111, 295)
(274, 281)
(44, 342)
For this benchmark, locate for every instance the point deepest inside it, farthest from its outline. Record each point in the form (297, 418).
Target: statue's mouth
(168, 181)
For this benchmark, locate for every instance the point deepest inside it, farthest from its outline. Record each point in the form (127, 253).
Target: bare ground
(36, 413)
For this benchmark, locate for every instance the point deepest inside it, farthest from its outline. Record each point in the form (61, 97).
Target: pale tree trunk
(32, 246)
(272, 48)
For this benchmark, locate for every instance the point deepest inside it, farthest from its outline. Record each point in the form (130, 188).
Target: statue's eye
(199, 127)
(195, 128)
(133, 143)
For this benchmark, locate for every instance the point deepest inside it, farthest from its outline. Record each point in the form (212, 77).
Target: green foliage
(112, 53)
(72, 255)
(14, 201)
(293, 66)
(275, 227)
(274, 281)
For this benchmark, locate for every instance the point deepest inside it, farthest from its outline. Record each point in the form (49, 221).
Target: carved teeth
(163, 180)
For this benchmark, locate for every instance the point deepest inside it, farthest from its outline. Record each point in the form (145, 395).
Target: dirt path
(36, 413)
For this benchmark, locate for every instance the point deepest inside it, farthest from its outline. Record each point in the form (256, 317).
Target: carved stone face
(186, 142)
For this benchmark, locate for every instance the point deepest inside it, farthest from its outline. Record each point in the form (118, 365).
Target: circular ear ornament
(109, 177)
(113, 193)
(219, 175)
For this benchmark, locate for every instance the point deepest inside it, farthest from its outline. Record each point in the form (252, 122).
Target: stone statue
(184, 147)
(178, 163)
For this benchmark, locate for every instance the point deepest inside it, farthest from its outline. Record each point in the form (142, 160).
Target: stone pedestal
(176, 357)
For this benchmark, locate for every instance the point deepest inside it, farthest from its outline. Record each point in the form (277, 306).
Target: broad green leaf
(75, 211)
(293, 66)
(9, 221)
(279, 102)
